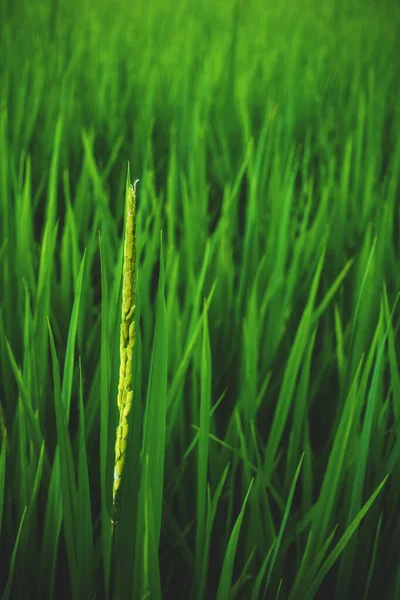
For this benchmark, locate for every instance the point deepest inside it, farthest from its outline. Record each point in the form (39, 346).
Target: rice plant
(127, 343)
(256, 270)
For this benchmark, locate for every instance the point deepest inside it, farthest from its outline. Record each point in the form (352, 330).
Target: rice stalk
(127, 342)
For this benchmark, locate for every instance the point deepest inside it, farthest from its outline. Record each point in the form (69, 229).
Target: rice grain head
(127, 343)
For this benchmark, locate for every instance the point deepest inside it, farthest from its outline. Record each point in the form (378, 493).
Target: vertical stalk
(127, 343)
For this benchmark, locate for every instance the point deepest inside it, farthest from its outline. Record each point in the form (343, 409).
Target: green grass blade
(67, 475)
(338, 549)
(373, 558)
(156, 405)
(85, 551)
(70, 351)
(7, 591)
(225, 582)
(203, 450)
(31, 420)
(212, 505)
(283, 524)
(290, 376)
(105, 481)
(51, 532)
(2, 477)
(257, 584)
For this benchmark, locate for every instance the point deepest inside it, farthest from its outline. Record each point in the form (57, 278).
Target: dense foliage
(264, 435)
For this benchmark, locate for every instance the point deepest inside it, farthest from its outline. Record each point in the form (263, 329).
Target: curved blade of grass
(31, 420)
(362, 286)
(70, 351)
(7, 590)
(225, 581)
(202, 457)
(308, 576)
(53, 180)
(255, 595)
(85, 552)
(284, 521)
(105, 484)
(147, 581)
(212, 506)
(243, 577)
(2, 477)
(360, 470)
(67, 474)
(322, 514)
(182, 368)
(392, 355)
(285, 398)
(373, 558)
(51, 531)
(333, 472)
(43, 296)
(332, 290)
(156, 405)
(147, 570)
(22, 470)
(31, 517)
(338, 549)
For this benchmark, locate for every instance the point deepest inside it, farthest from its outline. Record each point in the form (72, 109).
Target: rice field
(262, 460)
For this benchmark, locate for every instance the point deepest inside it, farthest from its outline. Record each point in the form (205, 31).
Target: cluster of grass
(264, 433)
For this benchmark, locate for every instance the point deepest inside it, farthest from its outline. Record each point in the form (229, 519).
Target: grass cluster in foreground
(264, 428)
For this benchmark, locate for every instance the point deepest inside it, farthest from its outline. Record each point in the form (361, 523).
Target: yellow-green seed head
(122, 446)
(127, 341)
(125, 430)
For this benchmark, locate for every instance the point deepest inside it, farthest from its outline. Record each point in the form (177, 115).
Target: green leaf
(7, 590)
(255, 595)
(84, 513)
(202, 457)
(225, 581)
(67, 475)
(285, 398)
(31, 419)
(338, 549)
(105, 483)
(70, 351)
(212, 505)
(156, 406)
(51, 531)
(2, 477)
(283, 524)
(147, 573)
